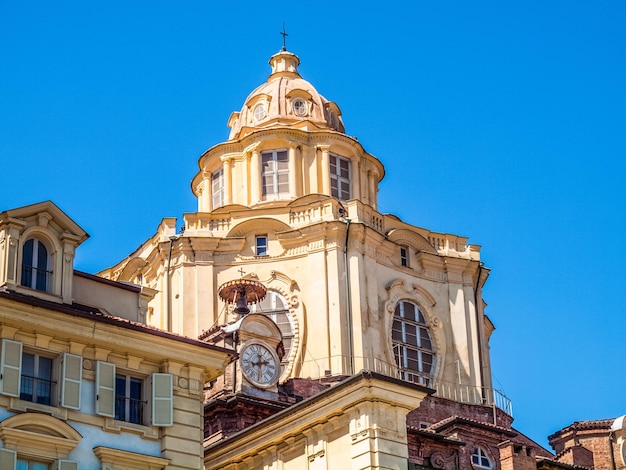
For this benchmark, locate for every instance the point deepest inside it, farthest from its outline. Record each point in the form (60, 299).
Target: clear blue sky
(504, 122)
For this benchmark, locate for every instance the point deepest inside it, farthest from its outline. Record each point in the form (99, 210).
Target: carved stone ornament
(438, 460)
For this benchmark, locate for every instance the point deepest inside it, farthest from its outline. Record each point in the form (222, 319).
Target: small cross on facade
(241, 271)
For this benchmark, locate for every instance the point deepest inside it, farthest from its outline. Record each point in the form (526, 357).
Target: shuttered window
(10, 368)
(72, 378)
(121, 396)
(9, 460)
(162, 400)
(105, 389)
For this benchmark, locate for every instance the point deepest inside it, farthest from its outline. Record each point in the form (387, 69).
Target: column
(355, 178)
(293, 180)
(205, 198)
(325, 164)
(227, 182)
(255, 177)
(372, 189)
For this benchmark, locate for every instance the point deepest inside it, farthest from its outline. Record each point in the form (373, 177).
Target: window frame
(261, 249)
(478, 456)
(130, 398)
(31, 273)
(404, 256)
(38, 378)
(217, 188)
(406, 352)
(271, 175)
(340, 181)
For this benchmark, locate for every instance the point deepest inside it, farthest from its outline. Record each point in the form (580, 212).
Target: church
(287, 324)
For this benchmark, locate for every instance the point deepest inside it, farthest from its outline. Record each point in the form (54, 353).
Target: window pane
(45, 368)
(409, 311)
(425, 339)
(28, 364)
(135, 388)
(42, 257)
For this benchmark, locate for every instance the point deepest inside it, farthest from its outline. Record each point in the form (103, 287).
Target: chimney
(515, 456)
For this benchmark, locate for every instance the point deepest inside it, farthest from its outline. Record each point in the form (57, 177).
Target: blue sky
(499, 121)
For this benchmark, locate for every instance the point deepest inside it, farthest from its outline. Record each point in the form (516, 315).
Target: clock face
(299, 107)
(259, 364)
(259, 112)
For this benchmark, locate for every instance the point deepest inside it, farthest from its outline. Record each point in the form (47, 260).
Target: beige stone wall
(359, 424)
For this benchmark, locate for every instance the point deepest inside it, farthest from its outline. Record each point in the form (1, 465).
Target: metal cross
(241, 271)
(284, 33)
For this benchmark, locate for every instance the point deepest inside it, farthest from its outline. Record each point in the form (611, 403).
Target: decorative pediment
(46, 215)
(39, 436)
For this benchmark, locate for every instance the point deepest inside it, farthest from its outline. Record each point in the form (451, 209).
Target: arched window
(480, 459)
(36, 265)
(412, 345)
(275, 307)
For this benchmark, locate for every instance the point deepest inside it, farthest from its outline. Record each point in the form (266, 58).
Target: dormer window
(259, 112)
(340, 177)
(404, 256)
(36, 265)
(299, 107)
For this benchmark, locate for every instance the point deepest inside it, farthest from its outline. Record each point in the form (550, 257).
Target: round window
(299, 107)
(259, 112)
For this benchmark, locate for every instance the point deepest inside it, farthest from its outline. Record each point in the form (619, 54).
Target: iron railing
(36, 278)
(129, 409)
(36, 390)
(463, 393)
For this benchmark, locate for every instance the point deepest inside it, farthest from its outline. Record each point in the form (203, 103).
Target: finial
(284, 33)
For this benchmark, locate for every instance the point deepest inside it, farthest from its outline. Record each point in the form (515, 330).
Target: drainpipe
(169, 322)
(348, 298)
(479, 339)
(612, 450)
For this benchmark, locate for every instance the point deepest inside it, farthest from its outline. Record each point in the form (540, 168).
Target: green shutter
(105, 389)
(162, 400)
(72, 375)
(66, 465)
(10, 368)
(8, 459)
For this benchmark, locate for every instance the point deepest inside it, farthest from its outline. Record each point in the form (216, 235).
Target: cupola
(285, 99)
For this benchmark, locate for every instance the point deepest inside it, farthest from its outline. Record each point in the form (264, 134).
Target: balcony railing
(37, 390)
(129, 409)
(36, 278)
(471, 394)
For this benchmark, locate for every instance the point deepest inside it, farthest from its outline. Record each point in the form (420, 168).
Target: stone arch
(265, 223)
(410, 238)
(397, 292)
(39, 436)
(289, 289)
(132, 267)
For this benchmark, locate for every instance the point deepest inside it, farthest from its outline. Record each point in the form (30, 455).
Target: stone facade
(82, 379)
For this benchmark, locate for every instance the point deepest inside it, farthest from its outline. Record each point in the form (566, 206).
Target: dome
(619, 424)
(285, 100)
